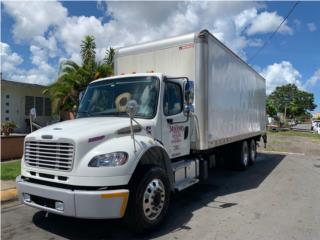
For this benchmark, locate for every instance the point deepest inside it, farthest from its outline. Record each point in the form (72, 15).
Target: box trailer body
(175, 108)
(229, 95)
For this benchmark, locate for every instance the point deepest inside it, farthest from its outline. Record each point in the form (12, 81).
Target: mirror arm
(132, 134)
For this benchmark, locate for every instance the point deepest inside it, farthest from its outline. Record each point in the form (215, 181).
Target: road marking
(290, 153)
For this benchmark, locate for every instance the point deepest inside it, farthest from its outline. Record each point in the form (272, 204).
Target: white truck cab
(139, 137)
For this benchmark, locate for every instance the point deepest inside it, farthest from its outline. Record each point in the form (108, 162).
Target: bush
(7, 127)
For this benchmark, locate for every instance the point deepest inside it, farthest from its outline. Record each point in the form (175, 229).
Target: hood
(82, 128)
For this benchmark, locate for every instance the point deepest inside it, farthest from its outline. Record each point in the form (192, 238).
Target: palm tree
(73, 78)
(88, 52)
(109, 56)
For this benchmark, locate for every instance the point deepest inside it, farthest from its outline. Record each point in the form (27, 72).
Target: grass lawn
(10, 170)
(294, 133)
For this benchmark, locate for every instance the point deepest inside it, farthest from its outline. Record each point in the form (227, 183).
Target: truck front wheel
(149, 200)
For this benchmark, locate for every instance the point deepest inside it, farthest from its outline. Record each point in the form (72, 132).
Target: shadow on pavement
(221, 182)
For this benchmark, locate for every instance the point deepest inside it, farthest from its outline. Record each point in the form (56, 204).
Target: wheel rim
(253, 152)
(245, 155)
(153, 199)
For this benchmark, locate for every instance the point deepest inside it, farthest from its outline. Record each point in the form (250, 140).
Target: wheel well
(154, 156)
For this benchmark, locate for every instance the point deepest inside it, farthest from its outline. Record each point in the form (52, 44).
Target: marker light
(59, 206)
(26, 197)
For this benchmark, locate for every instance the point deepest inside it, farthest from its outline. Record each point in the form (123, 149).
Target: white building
(18, 98)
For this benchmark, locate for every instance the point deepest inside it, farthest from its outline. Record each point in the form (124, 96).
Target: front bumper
(76, 203)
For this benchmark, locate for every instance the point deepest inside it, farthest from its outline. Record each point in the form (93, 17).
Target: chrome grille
(49, 155)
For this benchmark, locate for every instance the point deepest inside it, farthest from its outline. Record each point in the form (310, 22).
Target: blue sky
(36, 36)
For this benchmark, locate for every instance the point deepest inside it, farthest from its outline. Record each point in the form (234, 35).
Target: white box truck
(155, 127)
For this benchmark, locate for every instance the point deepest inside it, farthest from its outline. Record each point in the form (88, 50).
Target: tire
(252, 152)
(244, 155)
(148, 200)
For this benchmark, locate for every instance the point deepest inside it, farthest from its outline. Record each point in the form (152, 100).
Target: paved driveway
(277, 198)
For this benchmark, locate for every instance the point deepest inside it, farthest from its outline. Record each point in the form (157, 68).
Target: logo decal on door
(176, 133)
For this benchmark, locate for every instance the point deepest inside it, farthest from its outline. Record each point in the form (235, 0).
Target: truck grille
(49, 155)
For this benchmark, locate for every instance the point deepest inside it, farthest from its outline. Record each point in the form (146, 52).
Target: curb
(9, 194)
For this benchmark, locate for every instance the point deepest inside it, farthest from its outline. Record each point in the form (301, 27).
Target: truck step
(185, 183)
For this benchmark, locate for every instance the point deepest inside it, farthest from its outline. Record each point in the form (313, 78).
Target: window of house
(172, 99)
(7, 104)
(7, 111)
(29, 104)
(47, 107)
(7, 119)
(7, 96)
(39, 106)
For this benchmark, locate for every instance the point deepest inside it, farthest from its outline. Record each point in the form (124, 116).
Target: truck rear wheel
(244, 155)
(253, 152)
(148, 201)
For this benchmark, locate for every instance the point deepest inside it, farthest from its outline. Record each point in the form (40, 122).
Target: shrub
(7, 127)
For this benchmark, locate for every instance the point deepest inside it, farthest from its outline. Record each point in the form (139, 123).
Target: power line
(272, 35)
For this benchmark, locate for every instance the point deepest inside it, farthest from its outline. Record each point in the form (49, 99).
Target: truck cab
(161, 106)
(69, 167)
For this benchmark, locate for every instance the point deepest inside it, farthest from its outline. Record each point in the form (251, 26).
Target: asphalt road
(277, 198)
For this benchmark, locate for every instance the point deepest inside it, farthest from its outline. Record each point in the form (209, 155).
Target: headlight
(109, 160)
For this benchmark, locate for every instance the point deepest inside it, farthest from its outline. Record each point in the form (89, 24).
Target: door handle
(186, 132)
(169, 120)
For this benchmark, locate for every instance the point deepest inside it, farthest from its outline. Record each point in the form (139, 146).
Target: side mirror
(189, 92)
(33, 113)
(132, 108)
(187, 108)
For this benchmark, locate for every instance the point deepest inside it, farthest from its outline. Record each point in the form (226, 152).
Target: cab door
(175, 125)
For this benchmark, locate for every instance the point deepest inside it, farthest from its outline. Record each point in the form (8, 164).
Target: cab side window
(172, 99)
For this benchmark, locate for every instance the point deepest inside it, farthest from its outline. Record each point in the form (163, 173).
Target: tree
(88, 53)
(270, 108)
(109, 56)
(73, 78)
(291, 101)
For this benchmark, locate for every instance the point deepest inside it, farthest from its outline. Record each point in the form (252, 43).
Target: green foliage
(88, 52)
(291, 101)
(109, 56)
(74, 78)
(7, 127)
(270, 108)
(10, 170)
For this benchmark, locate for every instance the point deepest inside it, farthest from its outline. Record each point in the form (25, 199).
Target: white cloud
(297, 23)
(42, 73)
(279, 74)
(255, 42)
(267, 22)
(312, 27)
(135, 22)
(314, 80)
(33, 18)
(154, 20)
(245, 18)
(51, 33)
(9, 60)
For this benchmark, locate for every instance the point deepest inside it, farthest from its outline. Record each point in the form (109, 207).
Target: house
(18, 98)
(316, 115)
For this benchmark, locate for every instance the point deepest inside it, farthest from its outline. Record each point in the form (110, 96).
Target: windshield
(110, 97)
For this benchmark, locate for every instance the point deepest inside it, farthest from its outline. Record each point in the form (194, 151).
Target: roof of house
(21, 83)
